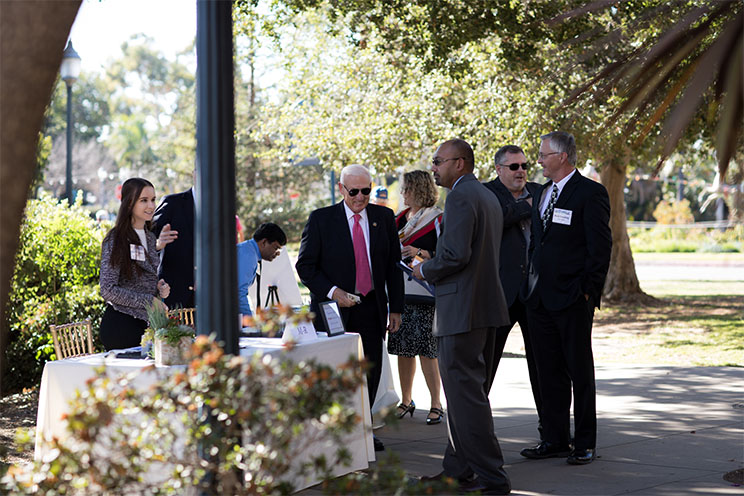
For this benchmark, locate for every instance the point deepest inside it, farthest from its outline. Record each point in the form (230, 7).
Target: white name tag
(137, 252)
(300, 333)
(561, 216)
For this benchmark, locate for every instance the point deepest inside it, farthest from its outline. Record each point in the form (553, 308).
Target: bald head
(462, 148)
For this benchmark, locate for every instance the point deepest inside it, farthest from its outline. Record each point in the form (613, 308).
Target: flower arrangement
(171, 340)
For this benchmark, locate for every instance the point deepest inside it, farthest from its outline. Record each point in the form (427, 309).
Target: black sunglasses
(516, 166)
(355, 191)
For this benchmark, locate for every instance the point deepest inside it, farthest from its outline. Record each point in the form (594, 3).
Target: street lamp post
(70, 70)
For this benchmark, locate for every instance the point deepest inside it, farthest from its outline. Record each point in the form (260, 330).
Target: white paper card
(301, 333)
(561, 216)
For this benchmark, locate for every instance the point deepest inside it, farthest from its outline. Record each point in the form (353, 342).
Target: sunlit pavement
(662, 430)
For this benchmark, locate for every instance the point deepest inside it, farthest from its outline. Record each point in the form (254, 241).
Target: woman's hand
(163, 289)
(158, 303)
(167, 235)
(409, 251)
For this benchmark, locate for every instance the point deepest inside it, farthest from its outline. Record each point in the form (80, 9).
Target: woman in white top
(129, 268)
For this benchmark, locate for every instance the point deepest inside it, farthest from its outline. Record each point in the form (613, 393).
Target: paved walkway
(661, 431)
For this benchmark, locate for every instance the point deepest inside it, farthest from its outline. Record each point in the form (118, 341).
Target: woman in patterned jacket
(129, 268)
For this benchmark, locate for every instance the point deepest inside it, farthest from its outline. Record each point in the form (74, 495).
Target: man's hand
(393, 322)
(167, 235)
(342, 298)
(417, 271)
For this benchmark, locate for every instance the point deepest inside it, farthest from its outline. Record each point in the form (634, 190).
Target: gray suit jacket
(465, 269)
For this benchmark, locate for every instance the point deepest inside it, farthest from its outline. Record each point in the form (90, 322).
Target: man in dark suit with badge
(349, 253)
(515, 194)
(469, 308)
(570, 256)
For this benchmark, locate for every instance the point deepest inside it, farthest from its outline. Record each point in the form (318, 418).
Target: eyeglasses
(542, 155)
(515, 166)
(439, 161)
(355, 191)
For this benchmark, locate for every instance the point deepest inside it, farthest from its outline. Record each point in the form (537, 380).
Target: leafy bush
(673, 213)
(666, 240)
(55, 281)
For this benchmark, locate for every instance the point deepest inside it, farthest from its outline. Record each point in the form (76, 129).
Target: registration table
(62, 378)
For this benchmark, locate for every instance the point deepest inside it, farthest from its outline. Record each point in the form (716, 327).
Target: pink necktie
(363, 276)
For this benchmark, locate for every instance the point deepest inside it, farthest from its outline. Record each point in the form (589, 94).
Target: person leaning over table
(266, 244)
(418, 229)
(129, 268)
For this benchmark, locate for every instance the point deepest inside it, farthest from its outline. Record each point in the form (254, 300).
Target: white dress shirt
(548, 190)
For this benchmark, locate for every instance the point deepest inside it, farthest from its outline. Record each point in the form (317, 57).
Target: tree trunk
(621, 285)
(32, 39)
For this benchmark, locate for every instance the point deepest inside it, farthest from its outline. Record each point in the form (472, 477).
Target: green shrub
(55, 281)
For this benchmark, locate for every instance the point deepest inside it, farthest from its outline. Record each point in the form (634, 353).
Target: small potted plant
(171, 340)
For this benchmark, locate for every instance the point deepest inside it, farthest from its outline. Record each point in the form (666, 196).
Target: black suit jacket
(513, 257)
(177, 259)
(326, 258)
(568, 261)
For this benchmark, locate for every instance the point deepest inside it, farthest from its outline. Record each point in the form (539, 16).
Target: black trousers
(119, 330)
(563, 350)
(364, 319)
(518, 313)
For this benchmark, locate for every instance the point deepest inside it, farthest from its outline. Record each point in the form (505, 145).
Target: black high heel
(436, 411)
(403, 410)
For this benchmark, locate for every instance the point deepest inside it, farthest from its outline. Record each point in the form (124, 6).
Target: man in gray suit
(470, 306)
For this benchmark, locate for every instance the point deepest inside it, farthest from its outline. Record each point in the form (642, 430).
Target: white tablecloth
(62, 378)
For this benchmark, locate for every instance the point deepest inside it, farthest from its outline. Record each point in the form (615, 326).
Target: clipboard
(409, 271)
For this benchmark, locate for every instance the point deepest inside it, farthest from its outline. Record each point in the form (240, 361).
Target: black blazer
(326, 258)
(513, 257)
(177, 260)
(568, 261)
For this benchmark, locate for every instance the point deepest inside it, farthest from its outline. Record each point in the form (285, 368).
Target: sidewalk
(661, 431)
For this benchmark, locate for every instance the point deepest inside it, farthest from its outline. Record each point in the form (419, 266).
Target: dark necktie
(549, 210)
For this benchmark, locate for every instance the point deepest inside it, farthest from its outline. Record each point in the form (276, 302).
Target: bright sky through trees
(101, 26)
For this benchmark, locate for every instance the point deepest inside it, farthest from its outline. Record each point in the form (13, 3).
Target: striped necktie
(549, 210)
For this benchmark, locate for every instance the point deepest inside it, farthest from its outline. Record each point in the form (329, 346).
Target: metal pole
(216, 266)
(333, 187)
(68, 169)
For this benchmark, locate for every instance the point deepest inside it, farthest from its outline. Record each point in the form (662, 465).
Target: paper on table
(405, 268)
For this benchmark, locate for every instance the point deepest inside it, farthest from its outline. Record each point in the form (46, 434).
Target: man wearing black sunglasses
(349, 253)
(515, 195)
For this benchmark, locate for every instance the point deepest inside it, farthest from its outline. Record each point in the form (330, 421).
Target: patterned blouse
(130, 296)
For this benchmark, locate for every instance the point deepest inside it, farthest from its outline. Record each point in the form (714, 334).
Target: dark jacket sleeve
(308, 260)
(598, 243)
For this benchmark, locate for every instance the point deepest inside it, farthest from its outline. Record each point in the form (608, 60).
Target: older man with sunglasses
(515, 195)
(349, 253)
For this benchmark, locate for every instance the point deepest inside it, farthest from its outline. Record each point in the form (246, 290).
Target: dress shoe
(404, 410)
(545, 450)
(478, 485)
(438, 414)
(378, 444)
(581, 456)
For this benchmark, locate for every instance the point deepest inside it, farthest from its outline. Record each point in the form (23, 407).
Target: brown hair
(421, 185)
(122, 234)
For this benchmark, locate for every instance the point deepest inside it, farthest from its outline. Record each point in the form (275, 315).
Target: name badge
(561, 216)
(137, 252)
(301, 333)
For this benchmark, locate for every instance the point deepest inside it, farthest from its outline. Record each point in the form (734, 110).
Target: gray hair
(501, 153)
(563, 142)
(354, 170)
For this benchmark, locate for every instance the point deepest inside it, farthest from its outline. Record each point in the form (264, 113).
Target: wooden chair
(185, 316)
(71, 340)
